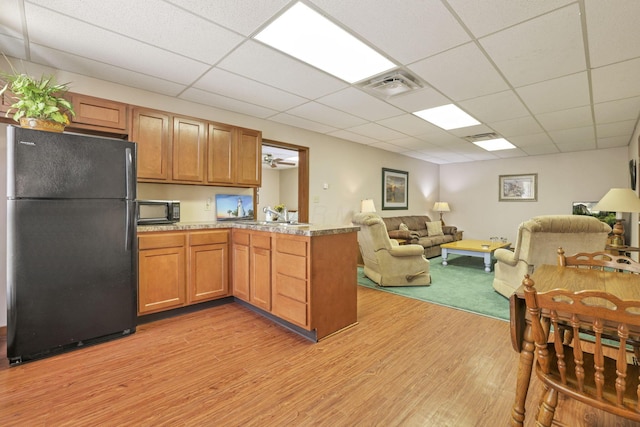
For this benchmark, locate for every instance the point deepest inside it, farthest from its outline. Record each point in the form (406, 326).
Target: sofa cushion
(435, 228)
(403, 227)
(402, 234)
(416, 223)
(430, 241)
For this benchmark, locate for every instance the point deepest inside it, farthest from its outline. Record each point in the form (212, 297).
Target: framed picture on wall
(395, 189)
(518, 188)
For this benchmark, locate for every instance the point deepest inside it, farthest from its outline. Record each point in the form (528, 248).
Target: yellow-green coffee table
(476, 248)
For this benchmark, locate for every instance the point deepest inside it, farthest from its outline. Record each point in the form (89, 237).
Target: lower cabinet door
(161, 279)
(209, 272)
(240, 272)
(261, 278)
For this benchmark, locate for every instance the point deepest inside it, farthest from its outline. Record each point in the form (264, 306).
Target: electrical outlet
(207, 204)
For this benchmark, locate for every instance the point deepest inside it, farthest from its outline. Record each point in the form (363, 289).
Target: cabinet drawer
(291, 287)
(293, 247)
(261, 241)
(162, 240)
(291, 310)
(208, 237)
(291, 265)
(240, 237)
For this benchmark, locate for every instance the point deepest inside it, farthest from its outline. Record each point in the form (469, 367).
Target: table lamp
(441, 207)
(619, 200)
(367, 205)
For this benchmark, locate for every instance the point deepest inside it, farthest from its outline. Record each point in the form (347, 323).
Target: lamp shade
(441, 207)
(367, 205)
(619, 200)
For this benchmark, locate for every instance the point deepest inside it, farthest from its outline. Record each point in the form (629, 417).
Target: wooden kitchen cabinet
(248, 157)
(251, 264)
(98, 114)
(189, 144)
(208, 265)
(290, 289)
(161, 272)
(150, 129)
(233, 156)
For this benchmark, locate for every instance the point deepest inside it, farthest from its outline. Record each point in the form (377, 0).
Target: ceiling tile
(303, 123)
(268, 66)
(408, 124)
(10, 20)
(613, 142)
(483, 17)
(544, 48)
(470, 130)
(388, 147)
(616, 81)
(495, 107)
(609, 29)
(538, 150)
(614, 111)
(243, 16)
(410, 143)
(376, 131)
(219, 101)
(577, 146)
(154, 23)
(624, 128)
(461, 73)
(13, 47)
(518, 126)
(419, 100)
(327, 115)
(557, 94)
(244, 89)
(81, 39)
(406, 30)
(350, 136)
(100, 70)
(360, 104)
(567, 119)
(529, 140)
(567, 136)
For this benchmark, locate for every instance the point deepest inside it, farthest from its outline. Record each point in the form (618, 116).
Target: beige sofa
(386, 262)
(417, 233)
(538, 241)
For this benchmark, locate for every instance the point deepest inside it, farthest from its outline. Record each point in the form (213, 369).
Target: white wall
(472, 188)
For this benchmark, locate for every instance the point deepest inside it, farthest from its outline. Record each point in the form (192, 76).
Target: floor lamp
(619, 200)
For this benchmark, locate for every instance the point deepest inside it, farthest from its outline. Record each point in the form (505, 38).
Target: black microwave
(158, 211)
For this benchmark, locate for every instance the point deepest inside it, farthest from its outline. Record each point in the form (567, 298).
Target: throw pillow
(435, 228)
(403, 227)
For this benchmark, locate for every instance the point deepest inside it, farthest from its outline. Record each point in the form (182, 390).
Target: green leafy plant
(36, 98)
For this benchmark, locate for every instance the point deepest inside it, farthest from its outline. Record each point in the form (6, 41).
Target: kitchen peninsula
(300, 276)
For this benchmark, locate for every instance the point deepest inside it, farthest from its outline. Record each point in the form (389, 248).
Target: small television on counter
(234, 207)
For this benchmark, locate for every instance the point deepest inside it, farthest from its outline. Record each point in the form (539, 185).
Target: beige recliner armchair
(538, 241)
(386, 262)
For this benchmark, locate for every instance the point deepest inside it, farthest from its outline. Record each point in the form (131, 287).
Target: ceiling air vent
(482, 137)
(392, 84)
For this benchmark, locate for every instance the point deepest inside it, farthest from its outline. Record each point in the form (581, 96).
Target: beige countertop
(295, 229)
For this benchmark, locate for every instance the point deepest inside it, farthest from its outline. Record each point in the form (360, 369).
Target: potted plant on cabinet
(37, 103)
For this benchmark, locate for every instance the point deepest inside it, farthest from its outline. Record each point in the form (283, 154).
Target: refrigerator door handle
(130, 177)
(129, 218)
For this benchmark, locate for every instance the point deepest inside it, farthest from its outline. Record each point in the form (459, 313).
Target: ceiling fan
(274, 162)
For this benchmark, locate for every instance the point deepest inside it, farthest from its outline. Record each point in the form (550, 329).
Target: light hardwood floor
(407, 363)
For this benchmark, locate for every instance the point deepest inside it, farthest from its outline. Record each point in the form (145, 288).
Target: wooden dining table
(546, 278)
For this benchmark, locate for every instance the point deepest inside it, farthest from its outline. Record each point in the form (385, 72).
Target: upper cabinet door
(98, 114)
(220, 155)
(249, 150)
(150, 130)
(189, 149)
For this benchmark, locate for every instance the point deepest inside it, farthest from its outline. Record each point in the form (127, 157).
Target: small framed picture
(395, 189)
(518, 188)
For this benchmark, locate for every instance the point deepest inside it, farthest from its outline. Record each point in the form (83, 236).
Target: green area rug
(463, 284)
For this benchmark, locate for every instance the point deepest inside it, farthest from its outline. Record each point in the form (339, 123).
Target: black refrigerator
(71, 242)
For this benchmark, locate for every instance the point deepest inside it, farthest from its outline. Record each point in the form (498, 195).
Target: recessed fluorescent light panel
(310, 37)
(447, 117)
(495, 144)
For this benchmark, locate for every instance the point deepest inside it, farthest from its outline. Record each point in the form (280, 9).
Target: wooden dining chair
(597, 375)
(598, 261)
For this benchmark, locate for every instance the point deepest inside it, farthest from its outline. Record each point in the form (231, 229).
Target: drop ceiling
(550, 76)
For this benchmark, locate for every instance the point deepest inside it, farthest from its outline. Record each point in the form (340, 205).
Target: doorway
(281, 157)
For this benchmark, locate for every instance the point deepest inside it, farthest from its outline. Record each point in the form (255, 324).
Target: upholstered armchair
(385, 261)
(538, 241)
